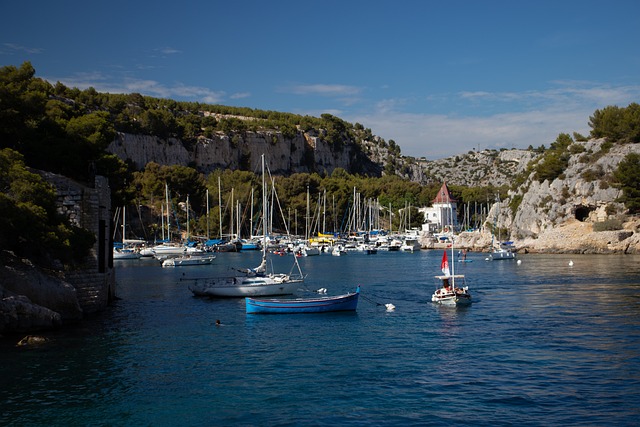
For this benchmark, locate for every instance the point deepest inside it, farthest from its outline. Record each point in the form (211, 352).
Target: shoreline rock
(32, 299)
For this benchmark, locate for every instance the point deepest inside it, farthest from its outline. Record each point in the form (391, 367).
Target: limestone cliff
(304, 153)
(537, 215)
(559, 216)
(479, 168)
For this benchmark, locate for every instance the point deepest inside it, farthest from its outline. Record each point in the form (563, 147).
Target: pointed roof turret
(444, 195)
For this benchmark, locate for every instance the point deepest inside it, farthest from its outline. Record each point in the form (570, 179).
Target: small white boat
(504, 252)
(124, 253)
(187, 260)
(338, 250)
(166, 250)
(410, 244)
(306, 250)
(449, 292)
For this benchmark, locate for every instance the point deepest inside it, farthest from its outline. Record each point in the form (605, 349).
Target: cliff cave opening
(582, 213)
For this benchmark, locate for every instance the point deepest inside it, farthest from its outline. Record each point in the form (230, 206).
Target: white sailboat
(127, 249)
(504, 250)
(449, 293)
(253, 281)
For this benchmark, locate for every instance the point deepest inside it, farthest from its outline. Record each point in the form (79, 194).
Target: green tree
(627, 176)
(555, 159)
(29, 224)
(616, 124)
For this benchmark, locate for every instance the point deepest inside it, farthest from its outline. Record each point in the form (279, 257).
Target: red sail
(445, 264)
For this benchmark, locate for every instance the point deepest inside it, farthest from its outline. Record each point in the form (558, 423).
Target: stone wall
(90, 208)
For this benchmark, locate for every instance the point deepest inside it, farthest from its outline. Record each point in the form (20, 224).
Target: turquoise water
(543, 344)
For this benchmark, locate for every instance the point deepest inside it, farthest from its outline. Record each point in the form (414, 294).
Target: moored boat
(346, 302)
(252, 281)
(243, 286)
(125, 253)
(449, 293)
(186, 260)
(504, 252)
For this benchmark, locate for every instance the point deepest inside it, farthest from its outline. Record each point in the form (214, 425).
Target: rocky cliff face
(559, 216)
(305, 153)
(479, 168)
(550, 216)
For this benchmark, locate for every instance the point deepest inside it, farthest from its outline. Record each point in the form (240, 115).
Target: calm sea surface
(543, 344)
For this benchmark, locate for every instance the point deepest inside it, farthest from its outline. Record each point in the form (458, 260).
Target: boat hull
(502, 255)
(459, 297)
(124, 254)
(453, 300)
(347, 302)
(188, 260)
(241, 286)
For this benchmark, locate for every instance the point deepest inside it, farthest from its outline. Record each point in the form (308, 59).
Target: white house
(442, 216)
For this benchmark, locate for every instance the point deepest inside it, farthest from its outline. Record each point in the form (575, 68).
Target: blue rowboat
(346, 302)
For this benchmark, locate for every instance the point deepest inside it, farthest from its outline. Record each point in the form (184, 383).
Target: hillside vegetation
(67, 131)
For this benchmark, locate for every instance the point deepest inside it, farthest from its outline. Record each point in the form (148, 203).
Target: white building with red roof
(442, 216)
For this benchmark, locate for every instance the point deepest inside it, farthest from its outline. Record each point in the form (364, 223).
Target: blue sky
(438, 78)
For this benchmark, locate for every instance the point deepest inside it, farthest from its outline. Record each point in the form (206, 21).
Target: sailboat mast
(187, 218)
(306, 232)
(166, 195)
(232, 225)
(162, 217)
(324, 212)
(220, 207)
(453, 263)
(251, 230)
(124, 223)
(264, 211)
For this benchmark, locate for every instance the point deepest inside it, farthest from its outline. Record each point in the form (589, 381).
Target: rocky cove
(556, 216)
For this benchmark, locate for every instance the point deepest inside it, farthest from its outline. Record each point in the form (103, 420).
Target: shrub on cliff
(30, 225)
(627, 177)
(555, 160)
(608, 225)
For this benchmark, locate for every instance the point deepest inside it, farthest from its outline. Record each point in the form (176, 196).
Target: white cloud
(11, 48)
(323, 89)
(240, 95)
(515, 120)
(438, 136)
(169, 50)
(105, 83)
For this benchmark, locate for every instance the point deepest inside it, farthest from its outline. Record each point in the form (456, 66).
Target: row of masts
(363, 215)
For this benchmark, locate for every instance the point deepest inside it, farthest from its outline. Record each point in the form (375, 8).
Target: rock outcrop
(32, 299)
(478, 168)
(304, 153)
(559, 216)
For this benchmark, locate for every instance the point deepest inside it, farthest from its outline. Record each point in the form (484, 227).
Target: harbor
(544, 343)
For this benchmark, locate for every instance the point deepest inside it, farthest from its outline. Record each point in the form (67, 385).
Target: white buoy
(570, 263)
(519, 262)
(390, 307)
